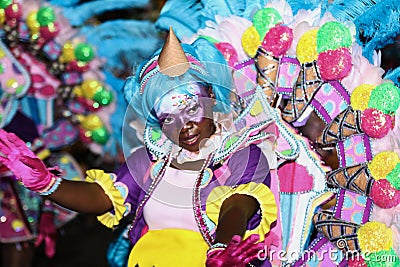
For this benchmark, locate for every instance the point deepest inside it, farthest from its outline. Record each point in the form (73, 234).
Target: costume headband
(172, 61)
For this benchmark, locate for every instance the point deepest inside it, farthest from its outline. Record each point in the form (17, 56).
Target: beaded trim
(243, 137)
(53, 187)
(206, 233)
(149, 192)
(244, 63)
(198, 213)
(159, 148)
(217, 246)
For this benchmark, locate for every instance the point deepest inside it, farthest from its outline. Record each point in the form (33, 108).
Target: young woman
(198, 190)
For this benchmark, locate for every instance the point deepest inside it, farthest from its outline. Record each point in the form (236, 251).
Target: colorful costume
(135, 183)
(315, 64)
(145, 186)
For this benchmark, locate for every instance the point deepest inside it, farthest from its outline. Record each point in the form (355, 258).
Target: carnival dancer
(199, 189)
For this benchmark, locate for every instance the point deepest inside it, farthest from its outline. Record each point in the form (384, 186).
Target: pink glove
(24, 164)
(237, 254)
(47, 233)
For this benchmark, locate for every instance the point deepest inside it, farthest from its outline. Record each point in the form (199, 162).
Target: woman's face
(187, 119)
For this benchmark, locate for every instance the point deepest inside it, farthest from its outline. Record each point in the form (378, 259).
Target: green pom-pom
(383, 258)
(385, 97)
(5, 3)
(393, 177)
(84, 52)
(333, 35)
(100, 135)
(264, 19)
(103, 97)
(45, 16)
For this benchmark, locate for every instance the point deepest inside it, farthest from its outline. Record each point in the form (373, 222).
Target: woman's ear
(210, 92)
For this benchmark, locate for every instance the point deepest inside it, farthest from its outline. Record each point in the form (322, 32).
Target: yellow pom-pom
(360, 96)
(78, 91)
(91, 122)
(32, 22)
(251, 41)
(12, 83)
(91, 87)
(2, 16)
(374, 237)
(383, 163)
(68, 53)
(306, 49)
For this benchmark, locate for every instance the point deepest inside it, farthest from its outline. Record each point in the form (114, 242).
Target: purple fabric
(246, 165)
(23, 127)
(243, 64)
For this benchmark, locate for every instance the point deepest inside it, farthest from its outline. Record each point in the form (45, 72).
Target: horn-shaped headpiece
(172, 60)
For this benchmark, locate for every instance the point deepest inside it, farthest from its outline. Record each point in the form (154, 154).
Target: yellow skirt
(169, 248)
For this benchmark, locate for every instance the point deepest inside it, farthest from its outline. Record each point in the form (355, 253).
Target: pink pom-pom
(13, 11)
(278, 40)
(334, 64)
(375, 123)
(78, 66)
(85, 136)
(50, 31)
(87, 103)
(228, 51)
(384, 194)
(356, 261)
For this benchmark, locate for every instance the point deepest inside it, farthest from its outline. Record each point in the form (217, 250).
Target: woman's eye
(168, 120)
(193, 110)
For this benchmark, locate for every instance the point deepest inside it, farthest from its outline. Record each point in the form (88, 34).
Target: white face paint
(187, 118)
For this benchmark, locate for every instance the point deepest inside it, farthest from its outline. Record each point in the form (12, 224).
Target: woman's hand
(237, 253)
(24, 164)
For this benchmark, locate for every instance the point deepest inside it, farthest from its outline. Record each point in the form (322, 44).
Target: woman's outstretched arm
(33, 173)
(82, 197)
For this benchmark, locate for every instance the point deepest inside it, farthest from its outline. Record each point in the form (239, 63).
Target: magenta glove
(238, 253)
(47, 234)
(24, 164)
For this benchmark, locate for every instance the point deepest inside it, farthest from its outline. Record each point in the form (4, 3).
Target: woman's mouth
(190, 140)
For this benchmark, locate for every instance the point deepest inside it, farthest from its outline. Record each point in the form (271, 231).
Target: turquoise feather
(78, 14)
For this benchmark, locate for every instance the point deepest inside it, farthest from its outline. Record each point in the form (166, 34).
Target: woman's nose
(187, 125)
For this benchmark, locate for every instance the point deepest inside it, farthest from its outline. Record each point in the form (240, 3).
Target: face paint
(180, 97)
(176, 101)
(187, 119)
